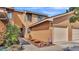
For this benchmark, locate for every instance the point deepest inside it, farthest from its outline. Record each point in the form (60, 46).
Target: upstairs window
(29, 17)
(40, 18)
(10, 15)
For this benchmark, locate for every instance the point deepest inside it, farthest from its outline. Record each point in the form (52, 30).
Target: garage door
(60, 35)
(75, 35)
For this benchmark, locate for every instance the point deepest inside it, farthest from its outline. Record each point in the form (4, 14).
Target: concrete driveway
(74, 46)
(34, 48)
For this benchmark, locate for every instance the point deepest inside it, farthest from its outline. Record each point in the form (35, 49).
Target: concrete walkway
(59, 47)
(34, 48)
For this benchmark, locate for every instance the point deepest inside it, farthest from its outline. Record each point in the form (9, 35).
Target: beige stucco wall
(34, 19)
(62, 18)
(17, 20)
(2, 27)
(41, 35)
(42, 26)
(20, 19)
(40, 32)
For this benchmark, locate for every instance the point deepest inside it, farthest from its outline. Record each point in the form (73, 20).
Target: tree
(71, 8)
(74, 18)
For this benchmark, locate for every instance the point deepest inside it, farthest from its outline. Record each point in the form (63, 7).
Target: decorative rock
(1, 41)
(67, 49)
(75, 48)
(23, 41)
(16, 47)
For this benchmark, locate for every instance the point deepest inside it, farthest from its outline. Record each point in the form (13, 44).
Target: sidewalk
(34, 48)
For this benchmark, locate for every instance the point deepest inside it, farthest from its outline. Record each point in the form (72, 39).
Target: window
(9, 15)
(40, 18)
(29, 17)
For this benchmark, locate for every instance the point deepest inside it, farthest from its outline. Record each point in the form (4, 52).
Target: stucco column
(51, 32)
(69, 33)
(26, 26)
(69, 28)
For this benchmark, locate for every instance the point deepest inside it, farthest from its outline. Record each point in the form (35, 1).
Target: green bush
(73, 19)
(11, 35)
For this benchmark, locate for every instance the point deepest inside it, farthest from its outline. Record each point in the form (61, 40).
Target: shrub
(11, 35)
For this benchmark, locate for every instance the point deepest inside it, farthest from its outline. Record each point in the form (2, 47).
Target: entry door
(60, 35)
(75, 35)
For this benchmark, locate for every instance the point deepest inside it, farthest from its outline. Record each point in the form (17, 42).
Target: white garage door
(60, 35)
(75, 35)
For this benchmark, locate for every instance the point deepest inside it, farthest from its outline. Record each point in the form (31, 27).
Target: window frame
(40, 17)
(10, 15)
(29, 17)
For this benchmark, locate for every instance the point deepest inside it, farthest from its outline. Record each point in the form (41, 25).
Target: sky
(50, 11)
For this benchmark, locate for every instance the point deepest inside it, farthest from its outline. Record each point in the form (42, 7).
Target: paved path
(34, 48)
(59, 47)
